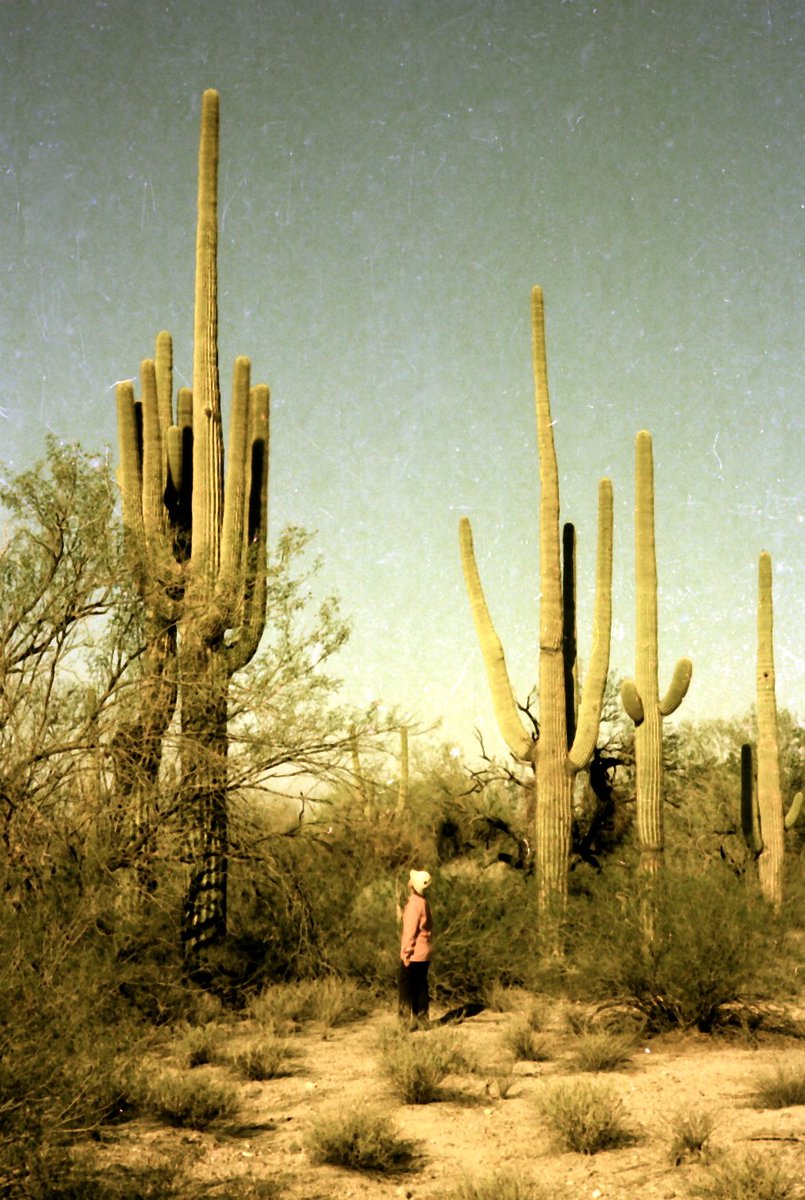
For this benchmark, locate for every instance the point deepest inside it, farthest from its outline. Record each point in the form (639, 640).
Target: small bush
(784, 1088)
(360, 1140)
(190, 1101)
(331, 1001)
(503, 1077)
(417, 1067)
(268, 1058)
(585, 1117)
(602, 1052)
(524, 1043)
(750, 1178)
(502, 1186)
(200, 1044)
(55, 1173)
(690, 1137)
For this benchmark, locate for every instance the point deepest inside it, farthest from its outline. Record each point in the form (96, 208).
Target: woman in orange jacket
(416, 946)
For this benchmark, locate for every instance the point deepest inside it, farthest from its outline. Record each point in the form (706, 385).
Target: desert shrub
(602, 1051)
(505, 1185)
(690, 1134)
(753, 1177)
(525, 1044)
(503, 1077)
(266, 1058)
(585, 1117)
(782, 1088)
(198, 1045)
(360, 1140)
(330, 1001)
(416, 1067)
(56, 1173)
(190, 1101)
(715, 942)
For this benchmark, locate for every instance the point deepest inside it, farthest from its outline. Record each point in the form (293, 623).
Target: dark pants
(414, 998)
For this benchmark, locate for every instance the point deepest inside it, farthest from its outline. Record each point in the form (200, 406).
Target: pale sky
(395, 176)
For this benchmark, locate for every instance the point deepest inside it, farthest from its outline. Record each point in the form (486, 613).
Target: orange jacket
(417, 930)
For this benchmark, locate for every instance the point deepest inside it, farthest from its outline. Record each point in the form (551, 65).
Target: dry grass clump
(267, 1057)
(783, 1088)
(505, 1185)
(524, 1043)
(690, 1137)
(602, 1051)
(502, 1076)
(753, 1177)
(200, 1044)
(585, 1117)
(330, 1001)
(191, 1101)
(417, 1066)
(361, 1140)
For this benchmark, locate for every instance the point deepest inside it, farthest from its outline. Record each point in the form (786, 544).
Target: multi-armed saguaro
(762, 815)
(554, 763)
(199, 544)
(640, 696)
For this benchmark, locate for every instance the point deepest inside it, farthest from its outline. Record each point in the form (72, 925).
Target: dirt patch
(472, 1132)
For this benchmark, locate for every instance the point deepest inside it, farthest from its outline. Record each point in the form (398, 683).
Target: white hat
(419, 881)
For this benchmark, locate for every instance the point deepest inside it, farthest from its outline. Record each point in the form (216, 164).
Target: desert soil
(472, 1133)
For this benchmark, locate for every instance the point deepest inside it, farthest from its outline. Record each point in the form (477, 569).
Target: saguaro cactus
(762, 816)
(640, 696)
(200, 545)
(554, 764)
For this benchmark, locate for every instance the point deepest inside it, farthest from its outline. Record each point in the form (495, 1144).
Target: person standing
(416, 947)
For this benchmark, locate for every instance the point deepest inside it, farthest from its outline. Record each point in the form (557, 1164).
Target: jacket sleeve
(410, 929)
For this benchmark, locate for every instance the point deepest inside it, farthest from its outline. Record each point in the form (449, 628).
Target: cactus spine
(200, 546)
(554, 764)
(640, 696)
(762, 816)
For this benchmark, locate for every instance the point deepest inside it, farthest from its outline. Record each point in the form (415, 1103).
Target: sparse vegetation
(524, 1044)
(690, 1135)
(585, 1117)
(782, 1088)
(361, 1140)
(602, 1051)
(753, 1177)
(503, 1186)
(267, 1057)
(416, 1067)
(191, 1101)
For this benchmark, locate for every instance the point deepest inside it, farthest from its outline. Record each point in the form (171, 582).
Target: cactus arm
(678, 688)
(163, 363)
(511, 726)
(593, 695)
(232, 538)
(769, 791)
(402, 794)
(630, 698)
(254, 573)
(792, 816)
(207, 442)
(569, 636)
(130, 472)
(750, 826)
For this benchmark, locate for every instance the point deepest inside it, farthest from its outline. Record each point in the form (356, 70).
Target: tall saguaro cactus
(763, 821)
(199, 543)
(554, 764)
(641, 697)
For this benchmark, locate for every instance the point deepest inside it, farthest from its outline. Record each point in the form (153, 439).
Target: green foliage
(417, 1066)
(690, 1135)
(190, 1101)
(360, 1140)
(602, 1051)
(716, 942)
(585, 1117)
(783, 1088)
(753, 1177)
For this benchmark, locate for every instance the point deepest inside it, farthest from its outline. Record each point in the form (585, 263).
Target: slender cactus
(402, 792)
(762, 815)
(640, 696)
(199, 544)
(553, 758)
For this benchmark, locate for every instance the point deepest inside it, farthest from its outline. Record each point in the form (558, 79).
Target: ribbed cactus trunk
(641, 697)
(555, 765)
(200, 546)
(769, 790)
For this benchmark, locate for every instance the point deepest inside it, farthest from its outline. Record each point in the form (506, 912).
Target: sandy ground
(472, 1133)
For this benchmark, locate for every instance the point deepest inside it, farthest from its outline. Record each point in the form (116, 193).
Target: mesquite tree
(199, 547)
